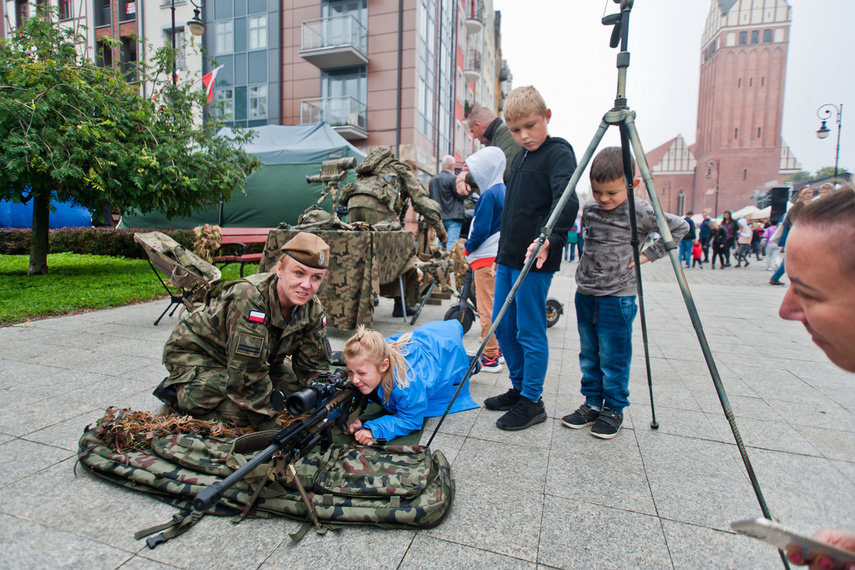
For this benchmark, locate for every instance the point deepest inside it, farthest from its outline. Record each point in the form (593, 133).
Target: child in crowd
(539, 175)
(697, 255)
(487, 167)
(605, 293)
(412, 376)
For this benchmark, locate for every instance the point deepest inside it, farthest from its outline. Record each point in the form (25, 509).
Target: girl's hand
(354, 427)
(364, 436)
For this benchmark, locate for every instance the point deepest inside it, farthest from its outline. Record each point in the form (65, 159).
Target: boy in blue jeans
(606, 290)
(538, 177)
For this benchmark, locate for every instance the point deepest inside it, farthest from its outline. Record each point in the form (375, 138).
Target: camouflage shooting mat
(405, 486)
(360, 261)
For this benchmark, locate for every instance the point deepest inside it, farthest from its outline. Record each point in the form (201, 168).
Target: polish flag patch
(256, 317)
(324, 321)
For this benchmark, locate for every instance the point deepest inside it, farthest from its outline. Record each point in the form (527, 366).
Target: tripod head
(617, 20)
(620, 35)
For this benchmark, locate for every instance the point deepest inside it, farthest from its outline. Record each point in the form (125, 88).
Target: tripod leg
(629, 122)
(636, 255)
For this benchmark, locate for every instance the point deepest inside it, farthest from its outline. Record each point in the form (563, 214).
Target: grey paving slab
(582, 535)
(350, 547)
(20, 458)
(431, 553)
(764, 434)
(692, 546)
(30, 545)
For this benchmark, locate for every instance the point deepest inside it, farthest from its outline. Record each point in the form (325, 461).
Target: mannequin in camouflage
(252, 336)
(380, 193)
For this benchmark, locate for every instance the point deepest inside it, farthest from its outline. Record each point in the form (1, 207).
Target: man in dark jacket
(443, 191)
(492, 131)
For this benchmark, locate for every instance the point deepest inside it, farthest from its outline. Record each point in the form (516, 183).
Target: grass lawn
(75, 283)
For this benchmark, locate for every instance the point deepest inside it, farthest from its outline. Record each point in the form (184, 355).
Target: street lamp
(824, 113)
(196, 27)
(717, 164)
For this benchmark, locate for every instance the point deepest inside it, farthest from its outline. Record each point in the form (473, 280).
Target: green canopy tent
(277, 192)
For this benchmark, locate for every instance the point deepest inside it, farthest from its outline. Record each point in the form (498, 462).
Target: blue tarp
(14, 215)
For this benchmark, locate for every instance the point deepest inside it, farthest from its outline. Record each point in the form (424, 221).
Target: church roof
(726, 5)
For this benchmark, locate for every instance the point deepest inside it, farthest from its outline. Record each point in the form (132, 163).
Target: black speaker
(779, 195)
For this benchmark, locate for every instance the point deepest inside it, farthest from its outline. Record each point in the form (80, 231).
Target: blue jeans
(778, 272)
(686, 251)
(452, 228)
(605, 336)
(522, 331)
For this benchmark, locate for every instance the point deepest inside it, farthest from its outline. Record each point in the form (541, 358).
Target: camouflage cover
(390, 487)
(359, 263)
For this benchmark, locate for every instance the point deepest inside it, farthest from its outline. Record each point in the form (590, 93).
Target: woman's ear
(384, 366)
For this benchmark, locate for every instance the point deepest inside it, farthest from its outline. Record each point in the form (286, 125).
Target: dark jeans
(605, 339)
(705, 247)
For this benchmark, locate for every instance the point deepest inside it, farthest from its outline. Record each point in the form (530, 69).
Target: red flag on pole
(208, 82)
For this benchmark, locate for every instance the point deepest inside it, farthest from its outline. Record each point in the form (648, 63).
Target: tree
(828, 172)
(800, 176)
(73, 131)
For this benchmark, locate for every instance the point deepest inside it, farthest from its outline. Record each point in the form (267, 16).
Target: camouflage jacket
(242, 330)
(391, 182)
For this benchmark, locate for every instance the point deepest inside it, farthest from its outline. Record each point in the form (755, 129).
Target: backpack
(385, 486)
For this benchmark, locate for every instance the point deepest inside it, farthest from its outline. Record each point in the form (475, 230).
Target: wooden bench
(234, 242)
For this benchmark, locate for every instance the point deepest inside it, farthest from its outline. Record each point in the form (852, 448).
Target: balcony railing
(346, 115)
(474, 16)
(472, 65)
(337, 41)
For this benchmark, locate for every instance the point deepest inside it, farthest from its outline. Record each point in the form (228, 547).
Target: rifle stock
(294, 441)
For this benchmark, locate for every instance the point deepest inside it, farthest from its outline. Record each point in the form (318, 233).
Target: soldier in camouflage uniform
(379, 196)
(252, 336)
(380, 193)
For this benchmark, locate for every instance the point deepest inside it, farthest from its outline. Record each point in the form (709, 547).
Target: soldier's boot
(166, 394)
(398, 311)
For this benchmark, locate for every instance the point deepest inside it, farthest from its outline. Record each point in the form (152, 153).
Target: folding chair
(184, 270)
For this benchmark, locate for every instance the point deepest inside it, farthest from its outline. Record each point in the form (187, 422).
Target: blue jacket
(436, 363)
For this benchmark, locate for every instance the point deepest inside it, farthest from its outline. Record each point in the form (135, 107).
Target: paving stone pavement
(546, 497)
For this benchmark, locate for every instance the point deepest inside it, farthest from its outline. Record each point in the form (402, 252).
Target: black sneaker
(583, 417)
(504, 401)
(523, 415)
(607, 425)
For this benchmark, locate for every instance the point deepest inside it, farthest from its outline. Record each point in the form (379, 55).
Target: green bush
(87, 241)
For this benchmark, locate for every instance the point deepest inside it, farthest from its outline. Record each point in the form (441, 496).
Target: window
(180, 46)
(767, 36)
(227, 108)
(751, 82)
(745, 174)
(755, 36)
(225, 37)
(66, 10)
(681, 203)
(21, 12)
(258, 102)
(127, 10)
(426, 48)
(739, 82)
(128, 55)
(743, 38)
(257, 32)
(104, 55)
(736, 133)
(758, 132)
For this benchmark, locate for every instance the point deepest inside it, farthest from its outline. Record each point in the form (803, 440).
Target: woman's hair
(729, 215)
(370, 345)
(834, 212)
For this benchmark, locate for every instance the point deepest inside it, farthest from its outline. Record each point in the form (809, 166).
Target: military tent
(276, 192)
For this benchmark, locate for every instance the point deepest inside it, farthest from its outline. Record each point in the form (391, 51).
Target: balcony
(345, 114)
(472, 66)
(474, 16)
(338, 41)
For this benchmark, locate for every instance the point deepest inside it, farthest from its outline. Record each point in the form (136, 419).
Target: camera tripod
(621, 116)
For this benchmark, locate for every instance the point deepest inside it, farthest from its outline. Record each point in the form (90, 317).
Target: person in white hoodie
(487, 167)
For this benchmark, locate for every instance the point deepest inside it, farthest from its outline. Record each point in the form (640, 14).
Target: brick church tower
(738, 147)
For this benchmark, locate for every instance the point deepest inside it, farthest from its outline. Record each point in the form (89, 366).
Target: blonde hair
(522, 102)
(369, 344)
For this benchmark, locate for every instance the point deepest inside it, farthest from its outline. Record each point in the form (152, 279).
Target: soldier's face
(297, 282)
(364, 374)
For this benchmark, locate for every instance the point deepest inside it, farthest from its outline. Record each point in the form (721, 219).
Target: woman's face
(364, 374)
(726, 217)
(822, 293)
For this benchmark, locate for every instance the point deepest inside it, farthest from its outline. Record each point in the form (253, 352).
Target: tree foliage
(73, 131)
(824, 172)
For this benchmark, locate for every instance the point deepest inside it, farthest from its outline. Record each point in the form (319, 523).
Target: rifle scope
(306, 399)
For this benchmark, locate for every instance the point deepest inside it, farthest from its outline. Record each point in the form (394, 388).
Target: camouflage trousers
(203, 393)
(363, 208)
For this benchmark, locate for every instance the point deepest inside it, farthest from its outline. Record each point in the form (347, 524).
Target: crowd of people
(267, 332)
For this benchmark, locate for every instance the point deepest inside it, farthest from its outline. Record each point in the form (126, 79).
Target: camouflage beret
(308, 249)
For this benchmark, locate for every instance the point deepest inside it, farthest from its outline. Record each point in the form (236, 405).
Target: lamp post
(824, 113)
(197, 28)
(717, 164)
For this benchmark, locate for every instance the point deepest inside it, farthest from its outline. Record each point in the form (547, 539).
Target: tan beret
(308, 249)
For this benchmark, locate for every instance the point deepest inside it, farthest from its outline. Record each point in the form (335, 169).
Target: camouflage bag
(389, 487)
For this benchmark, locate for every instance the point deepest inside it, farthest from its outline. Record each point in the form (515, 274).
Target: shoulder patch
(249, 345)
(256, 317)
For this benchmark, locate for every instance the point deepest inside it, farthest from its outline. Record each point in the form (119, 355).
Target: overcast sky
(560, 47)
